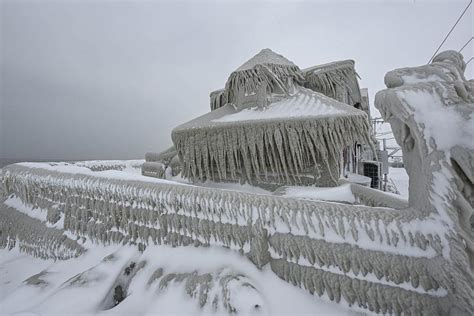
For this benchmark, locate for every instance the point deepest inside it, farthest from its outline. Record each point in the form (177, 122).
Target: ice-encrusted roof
(265, 56)
(305, 103)
(349, 63)
(321, 78)
(337, 80)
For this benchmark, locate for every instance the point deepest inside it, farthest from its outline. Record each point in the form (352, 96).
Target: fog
(110, 80)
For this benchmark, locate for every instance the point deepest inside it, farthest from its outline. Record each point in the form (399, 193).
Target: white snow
(133, 174)
(433, 117)
(359, 179)
(15, 267)
(230, 186)
(400, 178)
(110, 174)
(17, 203)
(415, 78)
(340, 193)
(278, 296)
(131, 165)
(304, 103)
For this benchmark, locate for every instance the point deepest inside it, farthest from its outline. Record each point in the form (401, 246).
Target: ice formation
(337, 80)
(266, 128)
(385, 257)
(221, 290)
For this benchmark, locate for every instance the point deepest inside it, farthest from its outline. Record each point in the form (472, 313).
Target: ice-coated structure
(274, 124)
(430, 109)
(395, 259)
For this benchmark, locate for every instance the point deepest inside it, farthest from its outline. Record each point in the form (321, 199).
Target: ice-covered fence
(31, 236)
(101, 165)
(381, 259)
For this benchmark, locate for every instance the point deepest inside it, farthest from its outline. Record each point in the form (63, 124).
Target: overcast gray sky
(107, 79)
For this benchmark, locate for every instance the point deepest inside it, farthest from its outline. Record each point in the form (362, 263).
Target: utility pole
(383, 153)
(375, 121)
(385, 163)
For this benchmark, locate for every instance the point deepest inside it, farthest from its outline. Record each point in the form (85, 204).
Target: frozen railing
(381, 259)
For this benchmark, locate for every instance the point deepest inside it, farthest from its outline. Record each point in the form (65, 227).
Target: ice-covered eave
(342, 64)
(245, 148)
(214, 123)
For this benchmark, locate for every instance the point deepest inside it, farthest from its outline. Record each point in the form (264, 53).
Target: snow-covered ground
(400, 178)
(50, 291)
(54, 294)
(341, 193)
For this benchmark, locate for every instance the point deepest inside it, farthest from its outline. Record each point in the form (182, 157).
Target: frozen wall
(381, 259)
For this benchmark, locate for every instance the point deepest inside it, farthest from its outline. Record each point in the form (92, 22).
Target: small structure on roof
(276, 124)
(337, 80)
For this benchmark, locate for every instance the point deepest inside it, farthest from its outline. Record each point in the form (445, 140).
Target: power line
(449, 33)
(466, 44)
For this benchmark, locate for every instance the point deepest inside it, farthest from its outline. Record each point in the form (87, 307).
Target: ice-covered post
(259, 253)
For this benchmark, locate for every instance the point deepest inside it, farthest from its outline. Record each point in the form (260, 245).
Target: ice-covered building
(275, 124)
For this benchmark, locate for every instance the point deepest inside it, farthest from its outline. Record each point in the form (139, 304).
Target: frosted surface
(303, 104)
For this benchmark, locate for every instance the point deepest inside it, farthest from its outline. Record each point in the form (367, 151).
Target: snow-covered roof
(337, 80)
(329, 66)
(266, 69)
(303, 104)
(265, 56)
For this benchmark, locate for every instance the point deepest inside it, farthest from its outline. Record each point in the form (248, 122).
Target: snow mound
(87, 285)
